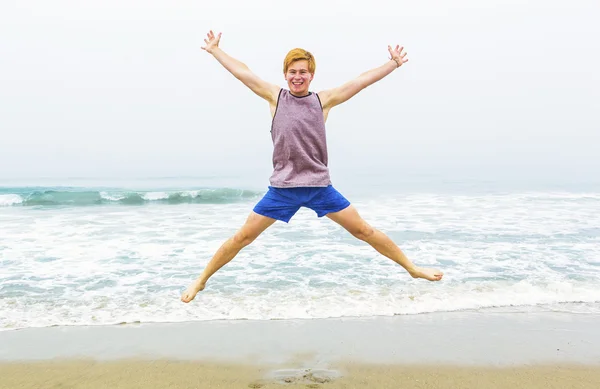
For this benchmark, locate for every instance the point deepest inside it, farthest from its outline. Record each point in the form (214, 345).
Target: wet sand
(445, 350)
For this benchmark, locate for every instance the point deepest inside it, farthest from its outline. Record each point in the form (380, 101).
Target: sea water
(88, 254)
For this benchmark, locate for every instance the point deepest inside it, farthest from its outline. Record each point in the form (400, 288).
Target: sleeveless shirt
(299, 142)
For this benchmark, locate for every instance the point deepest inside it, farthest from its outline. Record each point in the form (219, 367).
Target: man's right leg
(254, 226)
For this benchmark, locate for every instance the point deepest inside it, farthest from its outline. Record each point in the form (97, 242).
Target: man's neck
(302, 95)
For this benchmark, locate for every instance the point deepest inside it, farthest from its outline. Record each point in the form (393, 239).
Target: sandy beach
(445, 350)
(172, 374)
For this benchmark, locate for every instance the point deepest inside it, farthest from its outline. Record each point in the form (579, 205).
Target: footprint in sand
(311, 377)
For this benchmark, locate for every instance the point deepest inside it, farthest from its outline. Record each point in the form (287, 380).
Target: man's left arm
(332, 97)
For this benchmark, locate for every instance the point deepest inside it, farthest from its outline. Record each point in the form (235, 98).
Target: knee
(363, 232)
(243, 238)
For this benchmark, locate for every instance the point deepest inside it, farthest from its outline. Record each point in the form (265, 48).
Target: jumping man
(300, 165)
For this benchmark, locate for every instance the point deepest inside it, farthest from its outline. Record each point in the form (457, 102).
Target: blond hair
(299, 55)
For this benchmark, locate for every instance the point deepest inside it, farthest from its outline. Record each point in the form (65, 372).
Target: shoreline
(441, 350)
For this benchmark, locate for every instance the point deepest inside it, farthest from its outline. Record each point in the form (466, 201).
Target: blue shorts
(283, 203)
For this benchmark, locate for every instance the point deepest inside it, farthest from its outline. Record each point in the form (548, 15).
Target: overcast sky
(121, 88)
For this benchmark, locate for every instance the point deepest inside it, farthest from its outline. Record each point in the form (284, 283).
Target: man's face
(298, 77)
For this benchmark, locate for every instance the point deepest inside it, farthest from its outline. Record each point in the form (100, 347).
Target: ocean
(86, 253)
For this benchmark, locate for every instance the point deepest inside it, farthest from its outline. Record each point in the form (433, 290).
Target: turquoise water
(103, 254)
(75, 196)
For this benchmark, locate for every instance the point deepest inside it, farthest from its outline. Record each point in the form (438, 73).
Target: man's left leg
(359, 228)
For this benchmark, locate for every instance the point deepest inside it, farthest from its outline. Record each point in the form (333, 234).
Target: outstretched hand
(211, 42)
(397, 55)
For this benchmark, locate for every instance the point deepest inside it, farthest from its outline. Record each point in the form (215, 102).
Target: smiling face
(299, 69)
(298, 77)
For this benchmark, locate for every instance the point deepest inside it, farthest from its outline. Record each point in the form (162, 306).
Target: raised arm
(240, 71)
(332, 97)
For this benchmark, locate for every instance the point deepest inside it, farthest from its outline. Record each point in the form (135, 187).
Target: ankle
(201, 280)
(412, 270)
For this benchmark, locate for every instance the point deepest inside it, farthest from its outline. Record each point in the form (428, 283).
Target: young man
(300, 173)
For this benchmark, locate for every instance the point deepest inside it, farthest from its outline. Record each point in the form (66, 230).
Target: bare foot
(428, 274)
(191, 292)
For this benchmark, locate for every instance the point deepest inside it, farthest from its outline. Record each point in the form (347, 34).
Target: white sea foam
(10, 199)
(112, 196)
(153, 196)
(135, 304)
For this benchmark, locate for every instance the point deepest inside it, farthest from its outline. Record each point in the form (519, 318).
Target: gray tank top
(299, 142)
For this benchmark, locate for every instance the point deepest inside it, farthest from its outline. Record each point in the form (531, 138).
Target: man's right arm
(240, 71)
